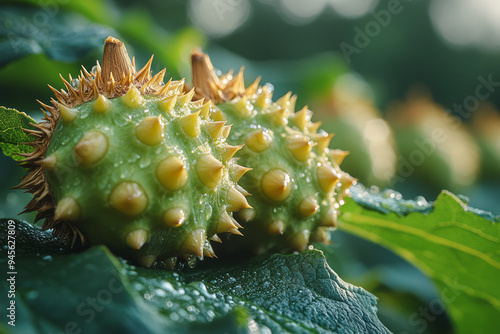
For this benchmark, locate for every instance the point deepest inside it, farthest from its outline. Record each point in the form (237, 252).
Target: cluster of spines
(129, 198)
(303, 142)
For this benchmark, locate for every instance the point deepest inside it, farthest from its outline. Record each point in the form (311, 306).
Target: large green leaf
(30, 30)
(11, 134)
(458, 247)
(98, 293)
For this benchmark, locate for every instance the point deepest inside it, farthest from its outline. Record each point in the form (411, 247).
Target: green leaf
(11, 134)
(96, 292)
(30, 30)
(458, 247)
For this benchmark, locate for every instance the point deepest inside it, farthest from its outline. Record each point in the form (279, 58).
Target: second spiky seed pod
(296, 183)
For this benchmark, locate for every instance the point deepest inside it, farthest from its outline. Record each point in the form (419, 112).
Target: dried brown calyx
(218, 89)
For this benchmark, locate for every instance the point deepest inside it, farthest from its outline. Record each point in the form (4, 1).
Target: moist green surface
(128, 159)
(277, 155)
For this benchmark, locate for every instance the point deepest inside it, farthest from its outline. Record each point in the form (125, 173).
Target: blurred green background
(409, 87)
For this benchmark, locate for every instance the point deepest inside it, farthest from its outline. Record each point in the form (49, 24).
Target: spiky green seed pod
(127, 161)
(296, 183)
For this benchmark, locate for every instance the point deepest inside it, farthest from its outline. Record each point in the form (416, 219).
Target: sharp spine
(172, 173)
(136, 239)
(216, 238)
(150, 130)
(330, 218)
(174, 217)
(49, 162)
(238, 171)
(229, 151)
(215, 129)
(67, 209)
(102, 104)
(167, 104)
(186, 98)
(236, 200)
(209, 170)
(323, 140)
(194, 242)
(67, 114)
(276, 227)
(128, 198)
(300, 241)
(301, 118)
(226, 223)
(308, 206)
(337, 156)
(191, 124)
(146, 260)
(327, 177)
(91, 148)
(300, 147)
(276, 184)
(259, 140)
(133, 98)
(264, 97)
(206, 110)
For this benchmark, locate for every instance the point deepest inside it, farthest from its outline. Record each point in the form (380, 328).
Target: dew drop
(143, 163)
(75, 83)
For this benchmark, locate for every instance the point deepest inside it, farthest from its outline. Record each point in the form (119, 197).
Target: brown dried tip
(115, 60)
(114, 79)
(212, 87)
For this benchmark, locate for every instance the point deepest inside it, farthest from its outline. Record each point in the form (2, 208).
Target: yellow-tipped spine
(186, 98)
(67, 114)
(300, 241)
(168, 103)
(226, 223)
(210, 170)
(194, 243)
(276, 227)
(172, 173)
(229, 151)
(300, 147)
(49, 162)
(327, 177)
(236, 200)
(102, 104)
(150, 130)
(136, 239)
(308, 206)
(174, 217)
(67, 209)
(133, 98)
(91, 148)
(259, 140)
(215, 129)
(190, 124)
(276, 184)
(128, 198)
(301, 118)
